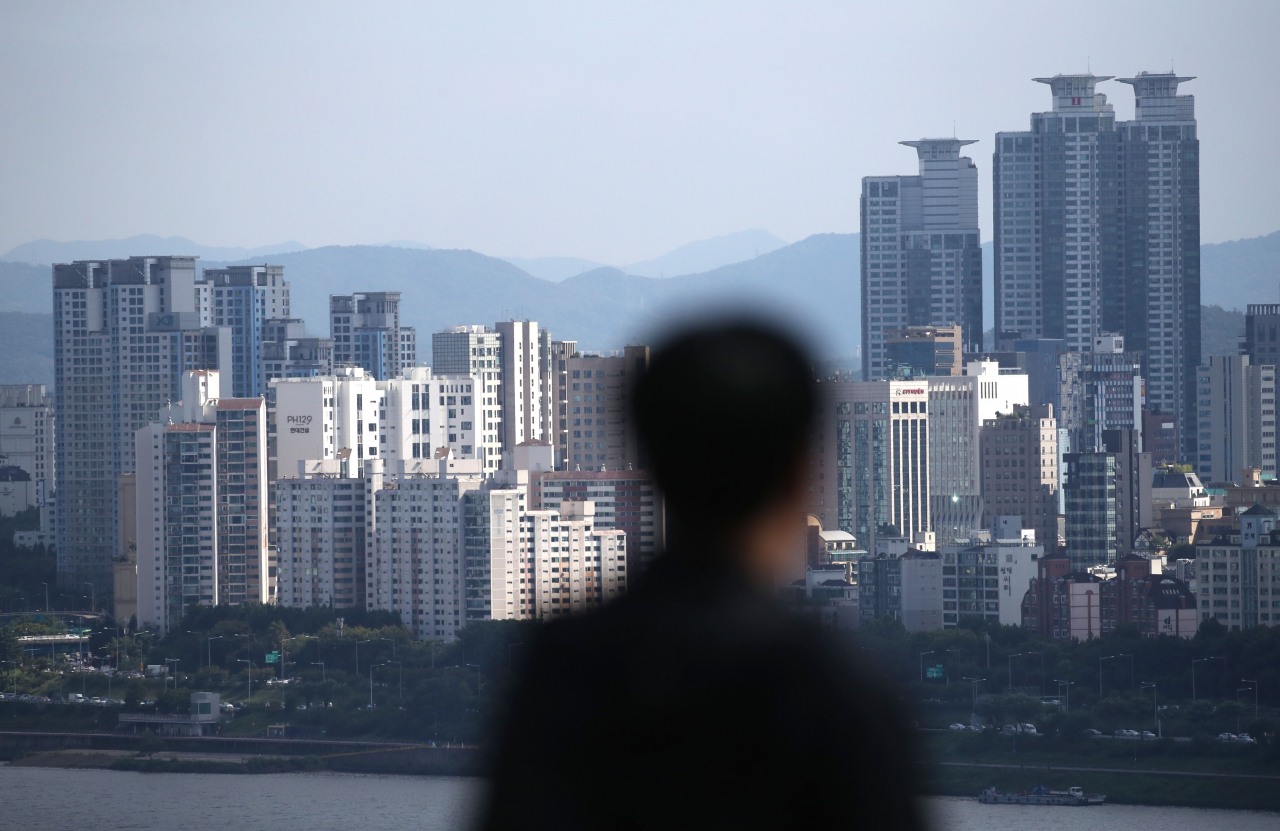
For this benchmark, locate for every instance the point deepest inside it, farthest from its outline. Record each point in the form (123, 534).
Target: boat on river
(1042, 796)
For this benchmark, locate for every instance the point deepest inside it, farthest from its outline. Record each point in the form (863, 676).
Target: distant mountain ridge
(46, 252)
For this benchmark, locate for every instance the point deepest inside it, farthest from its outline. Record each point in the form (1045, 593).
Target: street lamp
(1193, 672)
(948, 671)
(1238, 691)
(477, 666)
(975, 691)
(372, 667)
(1067, 698)
(1155, 710)
(168, 661)
(321, 665)
(922, 654)
(400, 666)
(93, 597)
(248, 671)
(358, 657)
(211, 640)
(1100, 660)
(393, 646)
(46, 597)
(1011, 657)
(1255, 696)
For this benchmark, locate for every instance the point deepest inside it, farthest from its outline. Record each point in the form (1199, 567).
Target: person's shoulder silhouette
(698, 700)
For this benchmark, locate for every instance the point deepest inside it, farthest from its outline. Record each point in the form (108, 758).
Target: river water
(46, 798)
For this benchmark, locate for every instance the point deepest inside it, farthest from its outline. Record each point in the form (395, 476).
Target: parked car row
(73, 698)
(1237, 738)
(1008, 729)
(1142, 735)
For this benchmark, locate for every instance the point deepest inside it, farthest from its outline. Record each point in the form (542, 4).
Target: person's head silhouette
(725, 412)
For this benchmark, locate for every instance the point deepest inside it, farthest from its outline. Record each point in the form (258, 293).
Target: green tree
(149, 744)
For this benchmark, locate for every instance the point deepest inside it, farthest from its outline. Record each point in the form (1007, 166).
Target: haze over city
(603, 132)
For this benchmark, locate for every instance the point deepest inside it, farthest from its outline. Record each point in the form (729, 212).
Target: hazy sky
(608, 131)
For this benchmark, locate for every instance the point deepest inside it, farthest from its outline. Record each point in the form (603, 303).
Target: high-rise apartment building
(1020, 470)
(1097, 229)
(124, 332)
(366, 332)
(412, 417)
(556, 385)
(1238, 572)
(600, 429)
(322, 534)
(1108, 499)
(1261, 322)
(1100, 390)
(245, 298)
(201, 504)
(958, 407)
(921, 250)
(287, 352)
(523, 400)
(923, 350)
(1236, 418)
(625, 500)
(27, 434)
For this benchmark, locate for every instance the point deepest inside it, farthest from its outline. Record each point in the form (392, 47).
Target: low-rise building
(1238, 571)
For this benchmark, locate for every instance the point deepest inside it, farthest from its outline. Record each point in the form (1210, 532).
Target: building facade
(201, 504)
(921, 250)
(923, 350)
(28, 438)
(624, 500)
(1097, 229)
(596, 393)
(245, 298)
(1238, 572)
(1236, 414)
(1108, 499)
(1019, 472)
(1100, 390)
(366, 332)
(124, 332)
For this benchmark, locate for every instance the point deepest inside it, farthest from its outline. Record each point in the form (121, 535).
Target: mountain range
(814, 282)
(46, 251)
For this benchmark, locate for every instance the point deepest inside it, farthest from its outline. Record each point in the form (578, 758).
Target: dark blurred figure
(697, 700)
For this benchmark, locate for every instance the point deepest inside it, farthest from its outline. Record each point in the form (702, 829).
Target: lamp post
(477, 666)
(1255, 696)
(1132, 681)
(975, 691)
(93, 597)
(46, 597)
(248, 671)
(400, 666)
(1155, 710)
(922, 654)
(1066, 707)
(173, 661)
(1009, 689)
(1193, 672)
(358, 657)
(948, 671)
(1100, 660)
(393, 646)
(372, 667)
(1041, 654)
(321, 665)
(211, 640)
(1238, 691)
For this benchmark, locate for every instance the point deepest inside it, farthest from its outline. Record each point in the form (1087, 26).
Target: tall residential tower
(921, 251)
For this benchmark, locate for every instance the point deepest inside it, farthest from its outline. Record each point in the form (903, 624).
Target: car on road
(1147, 734)
(1091, 733)
(1227, 737)
(958, 726)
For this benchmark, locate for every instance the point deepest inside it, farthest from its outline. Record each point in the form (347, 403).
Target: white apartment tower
(27, 419)
(921, 250)
(201, 504)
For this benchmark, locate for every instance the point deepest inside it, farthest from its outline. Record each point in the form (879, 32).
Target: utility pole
(1255, 696)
